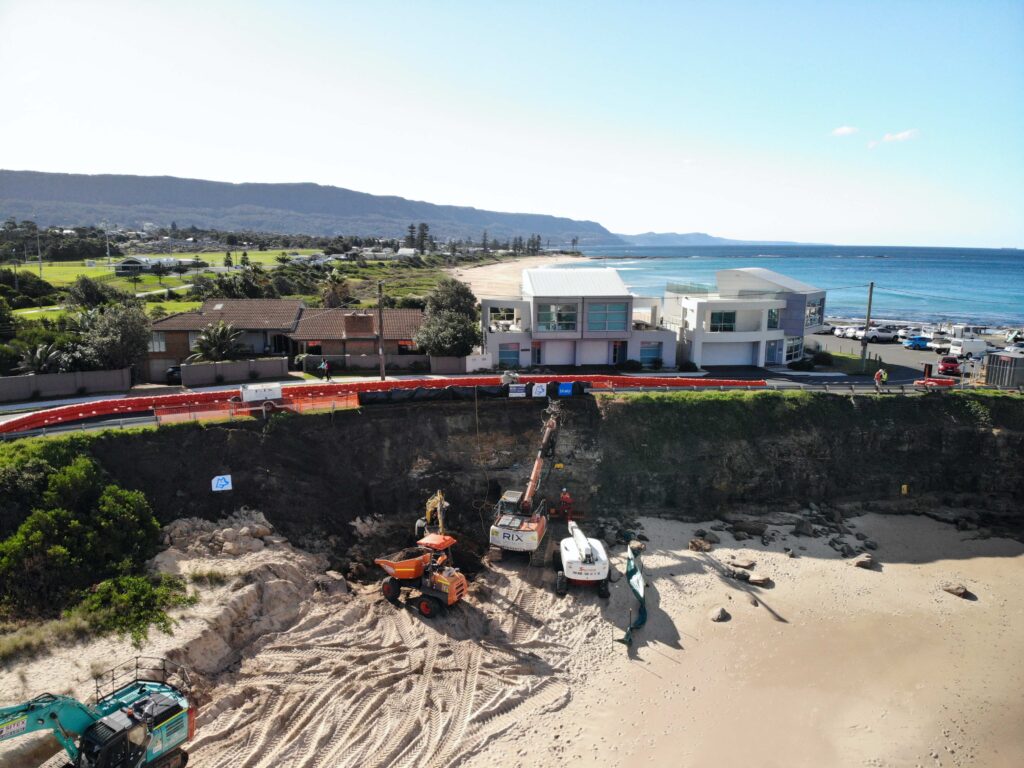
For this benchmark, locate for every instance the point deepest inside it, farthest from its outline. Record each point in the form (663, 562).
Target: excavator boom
(550, 427)
(68, 719)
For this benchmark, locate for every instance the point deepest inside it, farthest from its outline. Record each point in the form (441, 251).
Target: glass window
(773, 318)
(815, 313)
(607, 317)
(158, 342)
(192, 336)
(508, 355)
(556, 317)
(794, 349)
(723, 321)
(649, 352)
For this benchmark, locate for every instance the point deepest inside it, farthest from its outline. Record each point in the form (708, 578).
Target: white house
(132, 265)
(755, 317)
(574, 317)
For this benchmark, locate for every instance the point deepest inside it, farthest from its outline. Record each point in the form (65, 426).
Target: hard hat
(565, 490)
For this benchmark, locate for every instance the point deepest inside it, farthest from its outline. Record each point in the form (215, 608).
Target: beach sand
(834, 666)
(505, 278)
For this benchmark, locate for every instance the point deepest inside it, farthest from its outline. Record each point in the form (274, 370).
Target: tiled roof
(318, 324)
(243, 314)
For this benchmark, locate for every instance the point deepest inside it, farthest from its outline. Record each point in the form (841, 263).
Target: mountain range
(133, 201)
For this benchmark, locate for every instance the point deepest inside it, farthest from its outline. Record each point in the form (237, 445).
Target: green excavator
(140, 718)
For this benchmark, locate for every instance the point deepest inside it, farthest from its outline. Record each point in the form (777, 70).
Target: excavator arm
(66, 717)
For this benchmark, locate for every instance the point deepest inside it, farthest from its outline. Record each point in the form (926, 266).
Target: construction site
(462, 583)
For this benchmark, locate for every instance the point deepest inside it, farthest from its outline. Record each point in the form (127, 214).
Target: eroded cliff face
(318, 478)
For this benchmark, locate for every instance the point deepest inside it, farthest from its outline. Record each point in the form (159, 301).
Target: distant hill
(130, 201)
(691, 238)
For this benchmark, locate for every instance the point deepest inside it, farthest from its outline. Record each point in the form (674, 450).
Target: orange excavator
(426, 568)
(519, 524)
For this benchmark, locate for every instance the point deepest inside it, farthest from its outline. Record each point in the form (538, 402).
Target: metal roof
(748, 278)
(573, 282)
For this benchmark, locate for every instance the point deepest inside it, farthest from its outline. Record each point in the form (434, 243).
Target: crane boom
(68, 719)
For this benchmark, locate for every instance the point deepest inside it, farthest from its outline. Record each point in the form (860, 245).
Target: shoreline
(505, 277)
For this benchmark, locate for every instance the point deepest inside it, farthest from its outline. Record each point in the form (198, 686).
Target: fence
(204, 374)
(231, 410)
(365, 362)
(44, 385)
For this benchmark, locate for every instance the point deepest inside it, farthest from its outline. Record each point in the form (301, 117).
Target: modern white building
(754, 317)
(575, 317)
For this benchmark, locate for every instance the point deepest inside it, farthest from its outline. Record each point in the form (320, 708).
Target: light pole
(380, 326)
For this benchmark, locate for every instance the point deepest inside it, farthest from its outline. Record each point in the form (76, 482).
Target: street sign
(221, 483)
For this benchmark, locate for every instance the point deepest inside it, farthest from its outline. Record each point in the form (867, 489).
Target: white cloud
(907, 135)
(872, 144)
(844, 130)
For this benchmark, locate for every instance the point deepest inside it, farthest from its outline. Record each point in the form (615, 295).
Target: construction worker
(881, 376)
(565, 504)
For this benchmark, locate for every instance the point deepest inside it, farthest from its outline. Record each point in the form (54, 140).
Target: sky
(896, 122)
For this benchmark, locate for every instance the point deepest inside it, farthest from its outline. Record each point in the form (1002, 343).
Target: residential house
(754, 317)
(281, 327)
(574, 317)
(133, 265)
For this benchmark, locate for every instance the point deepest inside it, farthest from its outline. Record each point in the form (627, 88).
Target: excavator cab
(114, 742)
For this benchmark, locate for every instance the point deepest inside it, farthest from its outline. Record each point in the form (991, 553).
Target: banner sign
(517, 390)
(635, 578)
(540, 390)
(221, 483)
(564, 388)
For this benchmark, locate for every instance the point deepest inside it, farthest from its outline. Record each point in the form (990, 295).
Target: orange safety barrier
(935, 382)
(324, 393)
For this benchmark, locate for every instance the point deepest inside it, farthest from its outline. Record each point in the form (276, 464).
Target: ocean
(976, 286)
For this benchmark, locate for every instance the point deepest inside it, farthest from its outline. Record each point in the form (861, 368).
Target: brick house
(281, 327)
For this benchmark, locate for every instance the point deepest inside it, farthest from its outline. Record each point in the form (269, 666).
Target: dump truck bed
(408, 563)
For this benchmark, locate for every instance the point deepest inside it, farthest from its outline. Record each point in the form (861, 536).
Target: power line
(942, 298)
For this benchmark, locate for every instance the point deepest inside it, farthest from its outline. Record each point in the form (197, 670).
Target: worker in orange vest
(565, 503)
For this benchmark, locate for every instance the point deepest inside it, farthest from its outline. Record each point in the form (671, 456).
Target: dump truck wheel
(556, 561)
(428, 607)
(602, 589)
(561, 584)
(391, 589)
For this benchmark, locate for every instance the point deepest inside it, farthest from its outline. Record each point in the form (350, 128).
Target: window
(649, 352)
(815, 313)
(794, 348)
(501, 318)
(723, 321)
(773, 318)
(607, 317)
(508, 355)
(535, 348)
(556, 317)
(407, 347)
(192, 337)
(158, 342)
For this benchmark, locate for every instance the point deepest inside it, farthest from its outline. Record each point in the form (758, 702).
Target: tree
(160, 270)
(180, 269)
(120, 337)
(244, 261)
(448, 334)
(283, 259)
(217, 342)
(449, 295)
(575, 242)
(483, 241)
(422, 235)
(86, 292)
(228, 262)
(410, 237)
(7, 329)
(43, 358)
(335, 290)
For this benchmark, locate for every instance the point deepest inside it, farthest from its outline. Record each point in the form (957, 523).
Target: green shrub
(823, 358)
(657, 364)
(629, 365)
(76, 487)
(803, 364)
(688, 366)
(129, 605)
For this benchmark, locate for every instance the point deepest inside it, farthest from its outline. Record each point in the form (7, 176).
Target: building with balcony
(575, 317)
(754, 317)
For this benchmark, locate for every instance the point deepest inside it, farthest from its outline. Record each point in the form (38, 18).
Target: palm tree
(283, 259)
(217, 342)
(41, 359)
(335, 289)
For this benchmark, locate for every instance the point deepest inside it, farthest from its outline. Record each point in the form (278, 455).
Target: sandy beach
(505, 278)
(832, 665)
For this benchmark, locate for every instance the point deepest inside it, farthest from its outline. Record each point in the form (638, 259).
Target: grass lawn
(850, 364)
(172, 307)
(41, 313)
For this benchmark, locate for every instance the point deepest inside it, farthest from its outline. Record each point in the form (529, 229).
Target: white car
(880, 333)
(939, 344)
(851, 332)
(840, 330)
(909, 333)
(826, 328)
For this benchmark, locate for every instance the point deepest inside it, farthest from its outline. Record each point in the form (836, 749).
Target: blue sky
(700, 116)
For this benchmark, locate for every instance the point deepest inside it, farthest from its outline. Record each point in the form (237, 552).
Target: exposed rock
(699, 545)
(712, 537)
(753, 527)
(700, 533)
(847, 551)
(759, 580)
(228, 534)
(753, 601)
(260, 531)
(869, 544)
(719, 614)
(863, 561)
(956, 589)
(333, 583)
(861, 536)
(736, 573)
(743, 563)
(740, 535)
(642, 537)
(803, 528)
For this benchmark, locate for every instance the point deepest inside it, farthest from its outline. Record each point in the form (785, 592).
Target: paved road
(903, 364)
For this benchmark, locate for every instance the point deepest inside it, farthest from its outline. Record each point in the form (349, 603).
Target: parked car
(940, 344)
(878, 333)
(173, 374)
(916, 342)
(968, 348)
(840, 330)
(949, 366)
(1018, 345)
(907, 333)
(851, 332)
(825, 328)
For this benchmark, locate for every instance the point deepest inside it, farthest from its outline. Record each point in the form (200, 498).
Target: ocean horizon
(973, 285)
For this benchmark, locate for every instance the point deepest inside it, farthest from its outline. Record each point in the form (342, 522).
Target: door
(618, 352)
(535, 348)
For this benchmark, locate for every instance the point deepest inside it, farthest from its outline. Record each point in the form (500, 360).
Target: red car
(949, 366)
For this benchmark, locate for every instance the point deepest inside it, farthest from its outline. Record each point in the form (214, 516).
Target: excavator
(520, 524)
(427, 567)
(142, 722)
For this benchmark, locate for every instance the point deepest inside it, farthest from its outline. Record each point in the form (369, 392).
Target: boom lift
(427, 566)
(519, 524)
(581, 561)
(142, 722)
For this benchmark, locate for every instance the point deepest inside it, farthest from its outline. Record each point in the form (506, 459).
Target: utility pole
(867, 324)
(39, 253)
(380, 326)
